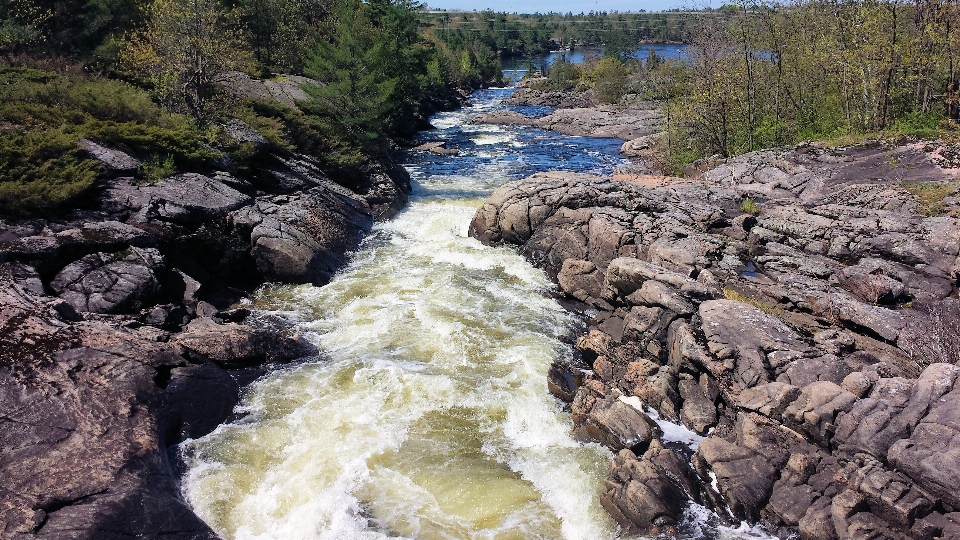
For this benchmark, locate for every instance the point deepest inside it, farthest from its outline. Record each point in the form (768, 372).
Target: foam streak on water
(427, 415)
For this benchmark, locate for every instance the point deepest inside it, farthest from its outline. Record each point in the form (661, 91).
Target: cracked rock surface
(815, 344)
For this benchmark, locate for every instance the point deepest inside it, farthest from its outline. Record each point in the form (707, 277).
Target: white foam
(672, 432)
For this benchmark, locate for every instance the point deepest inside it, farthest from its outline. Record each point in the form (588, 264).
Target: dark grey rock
(124, 282)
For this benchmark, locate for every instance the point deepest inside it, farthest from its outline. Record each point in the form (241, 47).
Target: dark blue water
(515, 68)
(491, 155)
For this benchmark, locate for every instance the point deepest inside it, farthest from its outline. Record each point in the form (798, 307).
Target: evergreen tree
(352, 67)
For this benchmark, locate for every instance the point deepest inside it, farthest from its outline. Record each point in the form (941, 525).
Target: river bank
(809, 337)
(125, 331)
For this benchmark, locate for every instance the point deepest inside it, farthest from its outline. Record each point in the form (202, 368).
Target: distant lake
(514, 68)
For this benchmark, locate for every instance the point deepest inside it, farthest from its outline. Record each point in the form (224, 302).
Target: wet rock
(647, 495)
(562, 381)
(237, 345)
(123, 282)
(617, 425)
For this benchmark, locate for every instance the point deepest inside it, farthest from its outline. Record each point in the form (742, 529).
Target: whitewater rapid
(427, 414)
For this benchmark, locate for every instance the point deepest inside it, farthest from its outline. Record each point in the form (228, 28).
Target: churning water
(427, 415)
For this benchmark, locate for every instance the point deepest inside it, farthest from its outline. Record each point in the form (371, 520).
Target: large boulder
(238, 345)
(303, 238)
(122, 282)
(616, 424)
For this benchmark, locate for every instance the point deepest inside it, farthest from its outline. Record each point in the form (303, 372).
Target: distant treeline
(519, 35)
(759, 75)
(813, 69)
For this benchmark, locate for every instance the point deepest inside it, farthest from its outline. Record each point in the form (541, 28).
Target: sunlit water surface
(427, 415)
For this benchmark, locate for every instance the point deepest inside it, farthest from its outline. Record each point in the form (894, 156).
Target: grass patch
(931, 195)
(749, 206)
(732, 294)
(41, 170)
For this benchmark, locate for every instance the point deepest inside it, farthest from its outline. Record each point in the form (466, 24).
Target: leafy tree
(185, 46)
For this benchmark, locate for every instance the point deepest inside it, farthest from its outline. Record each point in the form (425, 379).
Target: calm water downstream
(427, 415)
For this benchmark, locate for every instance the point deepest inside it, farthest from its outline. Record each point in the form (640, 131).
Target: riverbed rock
(238, 345)
(815, 358)
(616, 424)
(647, 494)
(305, 238)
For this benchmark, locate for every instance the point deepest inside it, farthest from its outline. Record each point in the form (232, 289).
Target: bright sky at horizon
(564, 6)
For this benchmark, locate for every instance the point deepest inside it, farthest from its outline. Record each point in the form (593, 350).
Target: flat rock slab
(603, 121)
(115, 161)
(184, 199)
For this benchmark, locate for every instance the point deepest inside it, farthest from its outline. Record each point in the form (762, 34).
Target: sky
(563, 6)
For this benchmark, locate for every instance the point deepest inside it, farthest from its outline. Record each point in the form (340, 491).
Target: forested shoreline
(151, 77)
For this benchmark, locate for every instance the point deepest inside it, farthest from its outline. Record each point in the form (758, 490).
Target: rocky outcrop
(600, 121)
(120, 337)
(814, 345)
(89, 408)
(303, 238)
(528, 92)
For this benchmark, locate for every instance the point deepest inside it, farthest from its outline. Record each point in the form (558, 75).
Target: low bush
(41, 170)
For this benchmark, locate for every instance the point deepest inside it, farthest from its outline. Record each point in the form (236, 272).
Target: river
(427, 415)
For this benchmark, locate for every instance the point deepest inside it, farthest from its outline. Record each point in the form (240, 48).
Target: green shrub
(42, 170)
(749, 206)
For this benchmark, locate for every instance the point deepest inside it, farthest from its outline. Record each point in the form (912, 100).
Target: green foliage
(932, 194)
(354, 67)
(158, 169)
(42, 170)
(561, 76)
(749, 206)
(182, 50)
(609, 76)
(45, 114)
(767, 74)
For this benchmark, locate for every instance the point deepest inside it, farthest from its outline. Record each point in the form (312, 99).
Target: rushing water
(427, 415)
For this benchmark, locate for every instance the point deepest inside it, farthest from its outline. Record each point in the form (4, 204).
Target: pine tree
(356, 88)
